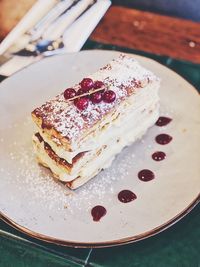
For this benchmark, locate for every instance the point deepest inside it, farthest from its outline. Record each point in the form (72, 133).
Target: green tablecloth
(178, 246)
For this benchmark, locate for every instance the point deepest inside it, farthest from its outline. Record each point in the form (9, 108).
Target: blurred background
(188, 9)
(11, 11)
(174, 41)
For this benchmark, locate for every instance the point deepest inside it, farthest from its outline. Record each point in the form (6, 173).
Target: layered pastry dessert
(81, 130)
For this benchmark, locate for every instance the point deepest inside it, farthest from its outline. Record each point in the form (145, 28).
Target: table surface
(122, 26)
(175, 43)
(150, 32)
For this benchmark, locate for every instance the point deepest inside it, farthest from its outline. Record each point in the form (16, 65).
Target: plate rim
(117, 242)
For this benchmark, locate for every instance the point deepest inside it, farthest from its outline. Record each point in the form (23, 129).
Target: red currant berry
(69, 93)
(109, 96)
(98, 84)
(87, 84)
(82, 103)
(96, 98)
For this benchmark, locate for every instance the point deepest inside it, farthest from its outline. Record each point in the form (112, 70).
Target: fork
(51, 39)
(85, 15)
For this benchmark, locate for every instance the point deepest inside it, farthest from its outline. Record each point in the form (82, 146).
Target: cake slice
(81, 130)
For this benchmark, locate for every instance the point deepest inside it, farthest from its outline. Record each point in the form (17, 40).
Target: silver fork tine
(85, 24)
(74, 37)
(37, 31)
(56, 30)
(58, 27)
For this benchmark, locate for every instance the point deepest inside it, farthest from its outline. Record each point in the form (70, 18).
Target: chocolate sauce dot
(158, 155)
(126, 196)
(163, 139)
(162, 121)
(146, 175)
(98, 212)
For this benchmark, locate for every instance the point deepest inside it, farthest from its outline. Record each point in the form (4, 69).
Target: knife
(73, 37)
(56, 29)
(61, 7)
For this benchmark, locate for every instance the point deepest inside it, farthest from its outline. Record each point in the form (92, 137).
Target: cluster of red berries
(87, 85)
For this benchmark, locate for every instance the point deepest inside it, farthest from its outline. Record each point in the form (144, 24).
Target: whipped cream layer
(104, 159)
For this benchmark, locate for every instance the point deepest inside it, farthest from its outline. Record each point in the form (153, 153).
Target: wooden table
(131, 28)
(150, 32)
(177, 246)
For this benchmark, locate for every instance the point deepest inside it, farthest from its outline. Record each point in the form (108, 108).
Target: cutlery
(72, 39)
(55, 30)
(61, 7)
(40, 8)
(77, 8)
(70, 30)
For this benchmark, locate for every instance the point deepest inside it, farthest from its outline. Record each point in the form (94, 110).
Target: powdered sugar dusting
(123, 75)
(31, 183)
(40, 187)
(124, 70)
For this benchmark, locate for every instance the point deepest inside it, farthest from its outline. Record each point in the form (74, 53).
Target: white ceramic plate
(31, 201)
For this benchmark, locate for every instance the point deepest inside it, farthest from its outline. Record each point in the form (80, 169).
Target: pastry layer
(145, 100)
(76, 145)
(113, 133)
(70, 128)
(101, 160)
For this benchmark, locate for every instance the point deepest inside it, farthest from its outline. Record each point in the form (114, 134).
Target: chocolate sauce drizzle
(158, 156)
(163, 121)
(146, 175)
(126, 196)
(163, 139)
(98, 212)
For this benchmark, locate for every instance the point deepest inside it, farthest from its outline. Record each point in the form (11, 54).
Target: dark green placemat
(179, 246)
